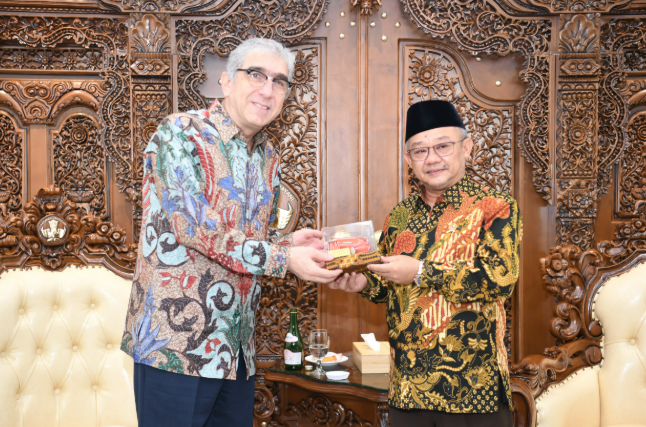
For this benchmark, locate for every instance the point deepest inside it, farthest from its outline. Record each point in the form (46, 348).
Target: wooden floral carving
(53, 232)
(11, 165)
(79, 164)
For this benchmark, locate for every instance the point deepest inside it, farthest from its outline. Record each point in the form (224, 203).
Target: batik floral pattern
(207, 202)
(447, 335)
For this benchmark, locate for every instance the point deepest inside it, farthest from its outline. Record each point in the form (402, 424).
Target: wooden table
(300, 398)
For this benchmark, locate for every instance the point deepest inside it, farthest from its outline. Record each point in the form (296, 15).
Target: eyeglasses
(442, 150)
(258, 79)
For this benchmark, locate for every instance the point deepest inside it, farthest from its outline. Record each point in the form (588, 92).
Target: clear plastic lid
(357, 237)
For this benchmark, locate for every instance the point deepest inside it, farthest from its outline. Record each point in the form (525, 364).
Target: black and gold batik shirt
(447, 335)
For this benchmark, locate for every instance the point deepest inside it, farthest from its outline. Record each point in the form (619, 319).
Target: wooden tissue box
(369, 361)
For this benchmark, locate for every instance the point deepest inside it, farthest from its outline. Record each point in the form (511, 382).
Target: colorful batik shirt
(204, 241)
(447, 335)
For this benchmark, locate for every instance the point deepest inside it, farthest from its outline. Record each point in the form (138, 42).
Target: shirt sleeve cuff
(278, 259)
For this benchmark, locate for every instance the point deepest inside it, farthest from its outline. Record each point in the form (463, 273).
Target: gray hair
(267, 46)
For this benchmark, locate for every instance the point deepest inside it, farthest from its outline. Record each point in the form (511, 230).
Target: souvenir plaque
(353, 245)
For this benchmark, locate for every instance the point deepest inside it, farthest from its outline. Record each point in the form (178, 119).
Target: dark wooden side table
(302, 399)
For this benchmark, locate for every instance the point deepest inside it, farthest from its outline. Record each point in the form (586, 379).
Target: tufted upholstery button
(95, 387)
(39, 351)
(17, 397)
(632, 341)
(21, 311)
(55, 308)
(57, 391)
(109, 346)
(92, 306)
(75, 348)
(3, 354)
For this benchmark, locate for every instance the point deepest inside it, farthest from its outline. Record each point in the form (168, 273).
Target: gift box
(353, 245)
(370, 361)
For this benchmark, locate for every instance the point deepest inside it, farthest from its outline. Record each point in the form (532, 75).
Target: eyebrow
(439, 140)
(279, 76)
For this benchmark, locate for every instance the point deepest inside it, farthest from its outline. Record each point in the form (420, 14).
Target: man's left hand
(400, 269)
(308, 237)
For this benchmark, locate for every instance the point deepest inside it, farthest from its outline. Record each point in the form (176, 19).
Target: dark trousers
(422, 418)
(175, 400)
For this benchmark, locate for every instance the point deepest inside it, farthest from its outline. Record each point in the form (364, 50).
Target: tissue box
(369, 361)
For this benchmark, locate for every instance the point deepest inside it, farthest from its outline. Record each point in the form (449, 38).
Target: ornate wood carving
(631, 182)
(109, 35)
(478, 28)
(322, 411)
(576, 141)
(285, 22)
(150, 45)
(564, 6)
(630, 237)
(174, 6)
(11, 165)
(297, 132)
(53, 232)
(79, 164)
(70, 60)
(433, 74)
(42, 101)
(366, 6)
(151, 103)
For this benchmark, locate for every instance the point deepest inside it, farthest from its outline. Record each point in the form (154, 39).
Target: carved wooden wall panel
(11, 165)
(79, 164)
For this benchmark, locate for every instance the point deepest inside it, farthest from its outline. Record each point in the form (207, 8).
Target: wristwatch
(418, 276)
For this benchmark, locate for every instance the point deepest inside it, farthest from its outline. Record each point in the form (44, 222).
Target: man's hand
(308, 237)
(306, 262)
(350, 282)
(400, 269)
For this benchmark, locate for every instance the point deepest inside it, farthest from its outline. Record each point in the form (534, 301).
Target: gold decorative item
(372, 24)
(327, 24)
(384, 38)
(341, 36)
(365, 6)
(498, 83)
(384, 15)
(398, 24)
(342, 14)
(352, 24)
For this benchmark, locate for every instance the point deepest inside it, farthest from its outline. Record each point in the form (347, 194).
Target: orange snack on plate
(334, 358)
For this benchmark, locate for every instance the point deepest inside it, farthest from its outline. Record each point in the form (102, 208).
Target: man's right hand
(306, 262)
(350, 282)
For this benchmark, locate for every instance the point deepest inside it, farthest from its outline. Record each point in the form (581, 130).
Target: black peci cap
(427, 115)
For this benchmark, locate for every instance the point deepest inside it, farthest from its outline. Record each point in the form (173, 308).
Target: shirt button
(632, 342)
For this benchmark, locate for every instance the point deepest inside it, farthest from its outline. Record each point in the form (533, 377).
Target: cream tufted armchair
(596, 375)
(63, 303)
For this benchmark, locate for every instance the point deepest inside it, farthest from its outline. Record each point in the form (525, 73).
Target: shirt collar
(453, 194)
(229, 130)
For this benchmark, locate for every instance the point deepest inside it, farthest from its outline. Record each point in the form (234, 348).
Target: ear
(467, 146)
(407, 157)
(226, 84)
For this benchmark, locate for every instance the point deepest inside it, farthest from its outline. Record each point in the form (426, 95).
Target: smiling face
(437, 173)
(251, 108)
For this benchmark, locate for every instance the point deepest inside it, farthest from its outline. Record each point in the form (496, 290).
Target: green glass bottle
(293, 344)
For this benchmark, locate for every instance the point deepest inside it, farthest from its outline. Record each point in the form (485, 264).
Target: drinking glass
(319, 346)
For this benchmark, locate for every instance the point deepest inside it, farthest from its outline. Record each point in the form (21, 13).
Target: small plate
(311, 359)
(337, 375)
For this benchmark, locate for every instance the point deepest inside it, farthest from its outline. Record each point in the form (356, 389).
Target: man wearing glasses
(450, 262)
(210, 189)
